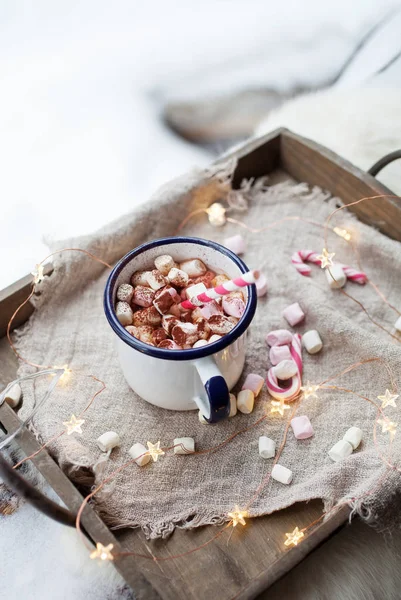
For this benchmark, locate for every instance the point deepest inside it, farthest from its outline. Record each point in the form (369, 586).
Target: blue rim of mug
(191, 353)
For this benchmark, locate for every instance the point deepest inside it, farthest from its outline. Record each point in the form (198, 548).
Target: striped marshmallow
(290, 392)
(300, 258)
(221, 290)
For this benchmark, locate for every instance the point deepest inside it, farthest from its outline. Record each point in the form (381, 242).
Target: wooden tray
(255, 557)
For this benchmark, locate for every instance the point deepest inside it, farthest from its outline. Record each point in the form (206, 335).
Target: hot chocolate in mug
(182, 379)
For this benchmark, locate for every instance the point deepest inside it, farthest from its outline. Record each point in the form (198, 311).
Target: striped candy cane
(290, 392)
(221, 290)
(300, 258)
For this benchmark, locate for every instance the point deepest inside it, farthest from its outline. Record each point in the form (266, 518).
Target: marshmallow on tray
(293, 314)
(261, 286)
(253, 382)
(281, 474)
(236, 244)
(285, 369)
(279, 353)
(185, 445)
(312, 341)
(340, 451)
(353, 436)
(279, 337)
(245, 401)
(233, 406)
(302, 427)
(336, 277)
(13, 395)
(139, 453)
(267, 447)
(108, 441)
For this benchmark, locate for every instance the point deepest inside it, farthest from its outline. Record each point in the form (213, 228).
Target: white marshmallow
(164, 263)
(233, 406)
(136, 451)
(340, 277)
(140, 278)
(13, 395)
(156, 280)
(353, 436)
(200, 343)
(312, 341)
(398, 324)
(178, 277)
(281, 474)
(214, 338)
(125, 292)
(245, 401)
(195, 290)
(185, 445)
(108, 440)
(267, 447)
(285, 369)
(124, 313)
(193, 267)
(202, 418)
(340, 450)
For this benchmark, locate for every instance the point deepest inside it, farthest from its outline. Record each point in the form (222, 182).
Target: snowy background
(83, 85)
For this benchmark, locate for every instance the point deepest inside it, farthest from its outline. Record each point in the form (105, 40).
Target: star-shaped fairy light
(326, 258)
(102, 552)
(294, 537)
(154, 450)
(388, 399)
(309, 390)
(217, 214)
(279, 406)
(74, 425)
(38, 274)
(237, 516)
(389, 426)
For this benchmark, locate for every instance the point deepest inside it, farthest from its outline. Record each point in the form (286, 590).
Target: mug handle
(215, 403)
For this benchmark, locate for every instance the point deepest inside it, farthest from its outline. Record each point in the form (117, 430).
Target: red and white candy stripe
(221, 290)
(290, 392)
(300, 258)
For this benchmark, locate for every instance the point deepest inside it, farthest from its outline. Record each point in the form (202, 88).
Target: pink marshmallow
(234, 307)
(261, 286)
(236, 244)
(293, 314)
(254, 383)
(278, 354)
(302, 427)
(210, 309)
(280, 337)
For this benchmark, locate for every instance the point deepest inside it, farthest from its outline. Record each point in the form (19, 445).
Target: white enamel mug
(182, 379)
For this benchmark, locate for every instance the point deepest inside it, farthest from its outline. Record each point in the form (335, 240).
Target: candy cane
(221, 290)
(290, 392)
(301, 257)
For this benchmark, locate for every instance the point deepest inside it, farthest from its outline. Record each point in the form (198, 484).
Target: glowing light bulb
(237, 516)
(102, 552)
(326, 258)
(388, 399)
(344, 233)
(279, 406)
(154, 450)
(294, 537)
(309, 390)
(74, 425)
(389, 426)
(217, 214)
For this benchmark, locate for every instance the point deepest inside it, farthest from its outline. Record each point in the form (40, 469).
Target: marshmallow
(336, 277)
(285, 369)
(13, 395)
(146, 334)
(220, 324)
(281, 474)
(398, 324)
(261, 286)
(147, 316)
(132, 330)
(196, 315)
(140, 278)
(233, 406)
(194, 290)
(185, 445)
(168, 322)
(185, 334)
(178, 277)
(236, 244)
(165, 263)
(203, 329)
(280, 337)
(108, 441)
(219, 279)
(210, 309)
(254, 383)
(353, 436)
(158, 336)
(267, 447)
(202, 418)
(125, 292)
(340, 450)
(206, 279)
(169, 344)
(163, 300)
(193, 267)
(293, 314)
(124, 313)
(214, 338)
(143, 296)
(278, 354)
(245, 401)
(156, 280)
(200, 343)
(302, 427)
(233, 306)
(312, 341)
(136, 452)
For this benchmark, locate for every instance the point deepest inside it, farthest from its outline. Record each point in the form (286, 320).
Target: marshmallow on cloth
(185, 445)
(245, 401)
(279, 353)
(302, 427)
(312, 341)
(336, 277)
(193, 267)
(233, 406)
(285, 369)
(236, 244)
(281, 474)
(140, 455)
(340, 451)
(253, 382)
(164, 264)
(107, 441)
(124, 313)
(353, 436)
(267, 447)
(293, 314)
(13, 395)
(279, 337)
(261, 286)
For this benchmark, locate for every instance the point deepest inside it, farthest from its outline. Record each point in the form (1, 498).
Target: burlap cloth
(188, 491)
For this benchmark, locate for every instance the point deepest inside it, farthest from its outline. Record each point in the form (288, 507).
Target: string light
(238, 516)
(326, 258)
(309, 390)
(279, 406)
(74, 425)
(343, 233)
(389, 426)
(388, 399)
(216, 214)
(154, 450)
(102, 552)
(38, 274)
(294, 537)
